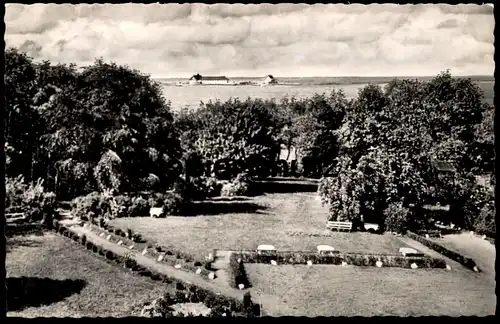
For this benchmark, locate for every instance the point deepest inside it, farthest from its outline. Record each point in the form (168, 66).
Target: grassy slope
(356, 291)
(109, 290)
(271, 220)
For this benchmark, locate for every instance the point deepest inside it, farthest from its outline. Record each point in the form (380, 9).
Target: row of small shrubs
(98, 204)
(191, 293)
(455, 256)
(337, 259)
(431, 233)
(170, 256)
(219, 306)
(237, 273)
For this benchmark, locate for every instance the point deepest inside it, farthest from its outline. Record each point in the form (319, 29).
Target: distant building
(198, 79)
(270, 80)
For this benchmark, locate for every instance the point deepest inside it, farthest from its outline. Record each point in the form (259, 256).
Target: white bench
(266, 248)
(156, 211)
(345, 226)
(371, 227)
(326, 249)
(409, 252)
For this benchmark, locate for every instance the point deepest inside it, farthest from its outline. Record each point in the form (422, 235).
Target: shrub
(237, 273)
(203, 187)
(396, 218)
(239, 186)
(485, 221)
(469, 263)
(83, 239)
(139, 207)
(174, 204)
(109, 255)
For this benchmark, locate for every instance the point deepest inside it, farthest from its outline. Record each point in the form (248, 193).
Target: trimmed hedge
(455, 256)
(337, 259)
(237, 273)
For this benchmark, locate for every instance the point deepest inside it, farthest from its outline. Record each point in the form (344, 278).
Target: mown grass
(325, 290)
(283, 220)
(75, 282)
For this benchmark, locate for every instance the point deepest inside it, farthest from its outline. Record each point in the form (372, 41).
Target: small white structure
(379, 264)
(108, 237)
(427, 236)
(198, 271)
(371, 227)
(120, 242)
(177, 266)
(101, 235)
(309, 263)
(211, 276)
(344, 263)
(448, 267)
(160, 258)
(131, 247)
(197, 79)
(414, 266)
(404, 251)
(241, 286)
(144, 251)
(265, 248)
(483, 237)
(476, 269)
(471, 233)
(273, 262)
(156, 212)
(269, 79)
(325, 249)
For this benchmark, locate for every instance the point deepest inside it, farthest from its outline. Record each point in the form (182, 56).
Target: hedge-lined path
(216, 286)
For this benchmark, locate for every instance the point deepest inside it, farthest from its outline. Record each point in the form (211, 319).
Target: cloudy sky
(253, 40)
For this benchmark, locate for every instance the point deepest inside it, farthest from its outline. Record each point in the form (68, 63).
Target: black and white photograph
(249, 160)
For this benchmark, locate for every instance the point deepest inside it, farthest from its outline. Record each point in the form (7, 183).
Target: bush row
(337, 259)
(455, 256)
(213, 300)
(431, 233)
(237, 273)
(171, 257)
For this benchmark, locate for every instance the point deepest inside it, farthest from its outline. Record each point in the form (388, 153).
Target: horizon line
(341, 76)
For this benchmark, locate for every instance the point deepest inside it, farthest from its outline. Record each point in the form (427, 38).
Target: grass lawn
(323, 290)
(63, 279)
(283, 220)
(481, 251)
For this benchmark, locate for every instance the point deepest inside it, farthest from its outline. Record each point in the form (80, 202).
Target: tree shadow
(284, 187)
(230, 199)
(20, 241)
(12, 230)
(223, 207)
(23, 292)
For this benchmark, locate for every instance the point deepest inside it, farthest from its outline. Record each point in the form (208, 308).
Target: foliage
(202, 187)
(239, 186)
(396, 218)
(389, 141)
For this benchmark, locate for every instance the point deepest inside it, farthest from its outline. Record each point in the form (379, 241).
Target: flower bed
(170, 257)
(467, 262)
(340, 259)
(220, 304)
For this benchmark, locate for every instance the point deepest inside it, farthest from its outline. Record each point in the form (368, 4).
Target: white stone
(274, 262)
(223, 314)
(211, 276)
(198, 271)
(325, 248)
(483, 237)
(131, 247)
(471, 233)
(309, 263)
(344, 263)
(239, 260)
(426, 235)
(241, 286)
(144, 251)
(120, 242)
(210, 256)
(448, 267)
(452, 225)
(406, 250)
(160, 258)
(379, 264)
(414, 266)
(85, 225)
(108, 237)
(177, 266)
(101, 235)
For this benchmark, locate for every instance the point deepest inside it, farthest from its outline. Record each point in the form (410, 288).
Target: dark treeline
(108, 128)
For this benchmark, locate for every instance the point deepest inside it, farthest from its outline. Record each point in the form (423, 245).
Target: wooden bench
(266, 249)
(344, 226)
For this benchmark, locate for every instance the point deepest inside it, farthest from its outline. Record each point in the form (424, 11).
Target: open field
(323, 290)
(284, 220)
(70, 281)
(481, 251)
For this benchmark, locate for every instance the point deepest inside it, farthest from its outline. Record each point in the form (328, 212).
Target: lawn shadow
(262, 187)
(223, 207)
(21, 241)
(12, 230)
(23, 292)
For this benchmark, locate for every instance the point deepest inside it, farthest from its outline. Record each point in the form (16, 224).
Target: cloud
(254, 40)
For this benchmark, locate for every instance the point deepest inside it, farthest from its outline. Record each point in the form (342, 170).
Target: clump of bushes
(239, 186)
(200, 188)
(237, 273)
(396, 218)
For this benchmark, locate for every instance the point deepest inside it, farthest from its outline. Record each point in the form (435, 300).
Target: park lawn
(326, 290)
(70, 280)
(284, 220)
(481, 251)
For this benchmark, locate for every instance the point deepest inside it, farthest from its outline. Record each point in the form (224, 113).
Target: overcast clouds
(253, 40)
